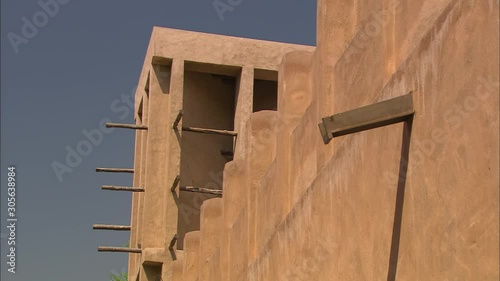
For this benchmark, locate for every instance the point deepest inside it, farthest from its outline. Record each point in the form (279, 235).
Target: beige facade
(416, 200)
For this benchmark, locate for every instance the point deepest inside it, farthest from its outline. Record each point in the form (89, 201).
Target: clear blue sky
(63, 79)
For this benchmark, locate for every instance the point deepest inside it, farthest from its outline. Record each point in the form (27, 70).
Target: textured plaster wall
(411, 201)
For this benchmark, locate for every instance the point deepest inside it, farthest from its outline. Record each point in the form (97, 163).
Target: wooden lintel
(367, 117)
(118, 249)
(122, 188)
(114, 170)
(176, 182)
(178, 119)
(210, 131)
(201, 190)
(126, 126)
(111, 227)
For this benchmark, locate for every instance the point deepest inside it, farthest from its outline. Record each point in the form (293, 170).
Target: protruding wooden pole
(126, 126)
(122, 188)
(119, 249)
(210, 131)
(176, 182)
(201, 190)
(111, 227)
(368, 117)
(114, 170)
(178, 119)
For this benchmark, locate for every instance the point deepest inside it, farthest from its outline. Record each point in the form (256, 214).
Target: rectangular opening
(142, 103)
(140, 111)
(265, 90)
(143, 109)
(162, 74)
(146, 87)
(153, 272)
(209, 103)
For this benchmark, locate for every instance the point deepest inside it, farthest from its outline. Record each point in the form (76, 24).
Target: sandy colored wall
(411, 201)
(159, 214)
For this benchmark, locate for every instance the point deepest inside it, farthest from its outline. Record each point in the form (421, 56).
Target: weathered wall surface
(410, 201)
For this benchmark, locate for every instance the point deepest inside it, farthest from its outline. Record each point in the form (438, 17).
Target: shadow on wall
(400, 195)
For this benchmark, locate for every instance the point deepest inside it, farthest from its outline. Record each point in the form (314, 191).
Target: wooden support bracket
(122, 188)
(367, 117)
(114, 170)
(126, 126)
(111, 227)
(119, 249)
(176, 182)
(178, 119)
(172, 242)
(171, 247)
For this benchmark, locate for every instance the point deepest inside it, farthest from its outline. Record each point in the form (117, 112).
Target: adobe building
(372, 156)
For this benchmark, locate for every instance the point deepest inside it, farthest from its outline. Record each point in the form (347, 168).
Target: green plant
(118, 277)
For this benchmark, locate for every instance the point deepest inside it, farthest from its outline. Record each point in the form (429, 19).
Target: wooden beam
(114, 170)
(367, 117)
(176, 182)
(126, 126)
(118, 249)
(178, 119)
(122, 188)
(111, 227)
(324, 134)
(201, 190)
(210, 131)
